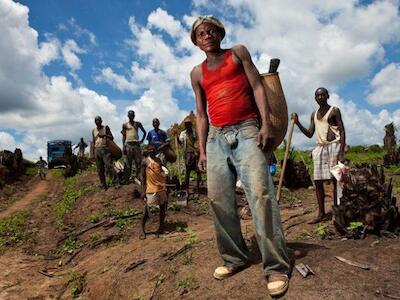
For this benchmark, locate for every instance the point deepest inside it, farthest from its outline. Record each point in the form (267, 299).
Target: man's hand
(202, 164)
(265, 138)
(295, 117)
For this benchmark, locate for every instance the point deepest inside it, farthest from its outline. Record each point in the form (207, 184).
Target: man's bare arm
(307, 132)
(143, 130)
(342, 133)
(201, 116)
(108, 133)
(143, 167)
(253, 76)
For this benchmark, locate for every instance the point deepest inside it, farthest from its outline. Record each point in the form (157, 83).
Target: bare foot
(142, 236)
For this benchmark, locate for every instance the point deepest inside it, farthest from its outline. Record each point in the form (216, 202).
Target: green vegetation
(58, 173)
(94, 237)
(187, 258)
(187, 283)
(70, 195)
(77, 282)
(13, 230)
(323, 230)
(355, 226)
(31, 171)
(70, 245)
(192, 239)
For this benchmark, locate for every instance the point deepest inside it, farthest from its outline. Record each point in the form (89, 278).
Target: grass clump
(31, 171)
(13, 231)
(192, 239)
(323, 231)
(70, 245)
(187, 283)
(70, 194)
(77, 282)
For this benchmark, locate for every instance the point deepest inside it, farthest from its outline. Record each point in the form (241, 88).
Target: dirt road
(38, 190)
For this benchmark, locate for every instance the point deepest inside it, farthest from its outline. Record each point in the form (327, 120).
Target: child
(154, 189)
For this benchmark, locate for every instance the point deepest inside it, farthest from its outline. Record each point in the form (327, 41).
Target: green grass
(31, 171)
(192, 239)
(13, 230)
(77, 282)
(187, 282)
(58, 173)
(70, 195)
(70, 245)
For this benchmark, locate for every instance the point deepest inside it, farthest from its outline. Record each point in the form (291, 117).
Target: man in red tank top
(231, 103)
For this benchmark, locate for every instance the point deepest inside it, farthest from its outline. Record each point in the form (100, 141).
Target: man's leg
(128, 162)
(221, 192)
(142, 234)
(100, 168)
(138, 159)
(163, 209)
(251, 165)
(319, 190)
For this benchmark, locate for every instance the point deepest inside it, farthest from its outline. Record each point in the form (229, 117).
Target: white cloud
(118, 82)
(78, 31)
(69, 51)
(162, 20)
(39, 107)
(386, 85)
(7, 141)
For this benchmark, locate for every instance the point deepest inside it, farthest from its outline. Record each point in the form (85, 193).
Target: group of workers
(234, 141)
(132, 149)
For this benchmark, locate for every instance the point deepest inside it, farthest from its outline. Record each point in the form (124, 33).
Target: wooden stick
(352, 263)
(289, 141)
(179, 160)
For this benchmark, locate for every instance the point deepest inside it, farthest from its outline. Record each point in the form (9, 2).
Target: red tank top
(228, 93)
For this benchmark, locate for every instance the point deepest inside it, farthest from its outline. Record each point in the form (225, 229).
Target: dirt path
(38, 190)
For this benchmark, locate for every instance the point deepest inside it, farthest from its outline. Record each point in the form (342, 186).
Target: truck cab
(57, 151)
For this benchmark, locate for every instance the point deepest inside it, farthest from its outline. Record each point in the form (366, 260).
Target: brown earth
(44, 267)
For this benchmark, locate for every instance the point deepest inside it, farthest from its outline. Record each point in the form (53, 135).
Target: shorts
(158, 198)
(325, 158)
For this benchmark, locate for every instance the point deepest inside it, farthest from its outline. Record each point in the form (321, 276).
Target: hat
(206, 19)
(187, 120)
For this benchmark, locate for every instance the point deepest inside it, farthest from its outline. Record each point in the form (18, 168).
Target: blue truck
(57, 151)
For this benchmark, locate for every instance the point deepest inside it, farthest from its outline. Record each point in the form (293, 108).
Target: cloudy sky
(64, 62)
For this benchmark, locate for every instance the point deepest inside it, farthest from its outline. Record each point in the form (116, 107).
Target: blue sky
(63, 62)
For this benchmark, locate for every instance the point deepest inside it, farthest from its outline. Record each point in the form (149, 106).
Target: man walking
(41, 163)
(81, 146)
(229, 91)
(331, 141)
(131, 144)
(103, 156)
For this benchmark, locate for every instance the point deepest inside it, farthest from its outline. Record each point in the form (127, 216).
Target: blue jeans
(232, 151)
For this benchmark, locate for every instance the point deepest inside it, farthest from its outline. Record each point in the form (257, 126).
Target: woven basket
(116, 152)
(277, 106)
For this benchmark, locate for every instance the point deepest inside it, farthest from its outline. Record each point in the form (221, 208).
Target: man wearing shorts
(331, 141)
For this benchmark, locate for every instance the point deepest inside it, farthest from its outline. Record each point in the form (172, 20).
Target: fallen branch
(135, 265)
(105, 239)
(384, 294)
(82, 231)
(46, 274)
(73, 256)
(182, 250)
(295, 216)
(294, 224)
(352, 263)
